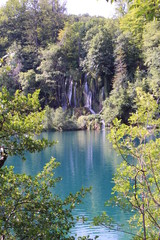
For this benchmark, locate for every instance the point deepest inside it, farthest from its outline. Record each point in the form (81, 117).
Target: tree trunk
(143, 209)
(144, 224)
(2, 160)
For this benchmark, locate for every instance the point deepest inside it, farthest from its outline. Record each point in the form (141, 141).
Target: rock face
(82, 93)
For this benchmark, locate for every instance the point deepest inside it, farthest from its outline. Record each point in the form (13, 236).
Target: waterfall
(74, 92)
(88, 98)
(102, 94)
(69, 93)
(86, 87)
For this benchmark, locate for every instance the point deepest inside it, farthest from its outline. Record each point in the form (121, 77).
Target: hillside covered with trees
(82, 65)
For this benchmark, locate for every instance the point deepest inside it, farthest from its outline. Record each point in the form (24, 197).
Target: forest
(68, 72)
(83, 66)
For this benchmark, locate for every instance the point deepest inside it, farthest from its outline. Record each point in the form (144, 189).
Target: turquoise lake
(87, 159)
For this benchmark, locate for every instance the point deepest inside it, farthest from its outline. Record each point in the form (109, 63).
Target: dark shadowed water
(87, 159)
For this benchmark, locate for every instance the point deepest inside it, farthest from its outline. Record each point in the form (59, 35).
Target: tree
(151, 45)
(71, 40)
(6, 79)
(27, 81)
(119, 104)
(139, 14)
(32, 24)
(99, 58)
(30, 210)
(52, 74)
(51, 21)
(20, 119)
(92, 27)
(10, 68)
(135, 15)
(120, 101)
(126, 56)
(137, 181)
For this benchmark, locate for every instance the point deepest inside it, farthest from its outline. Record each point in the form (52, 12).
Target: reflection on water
(87, 159)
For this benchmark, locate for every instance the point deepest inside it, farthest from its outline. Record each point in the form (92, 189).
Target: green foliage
(99, 59)
(30, 210)
(151, 39)
(127, 57)
(90, 122)
(119, 104)
(50, 21)
(121, 74)
(20, 120)
(148, 9)
(126, 78)
(139, 13)
(49, 116)
(27, 81)
(71, 60)
(71, 41)
(42, 48)
(5, 78)
(26, 23)
(137, 181)
(51, 74)
(92, 28)
(59, 120)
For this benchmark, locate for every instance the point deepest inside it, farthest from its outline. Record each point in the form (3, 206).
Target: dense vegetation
(137, 180)
(135, 101)
(29, 209)
(80, 63)
(77, 66)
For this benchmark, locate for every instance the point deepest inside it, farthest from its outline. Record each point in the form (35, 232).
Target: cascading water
(80, 93)
(74, 92)
(86, 87)
(69, 93)
(88, 98)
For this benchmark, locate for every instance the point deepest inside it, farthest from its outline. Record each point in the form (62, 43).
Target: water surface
(87, 159)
